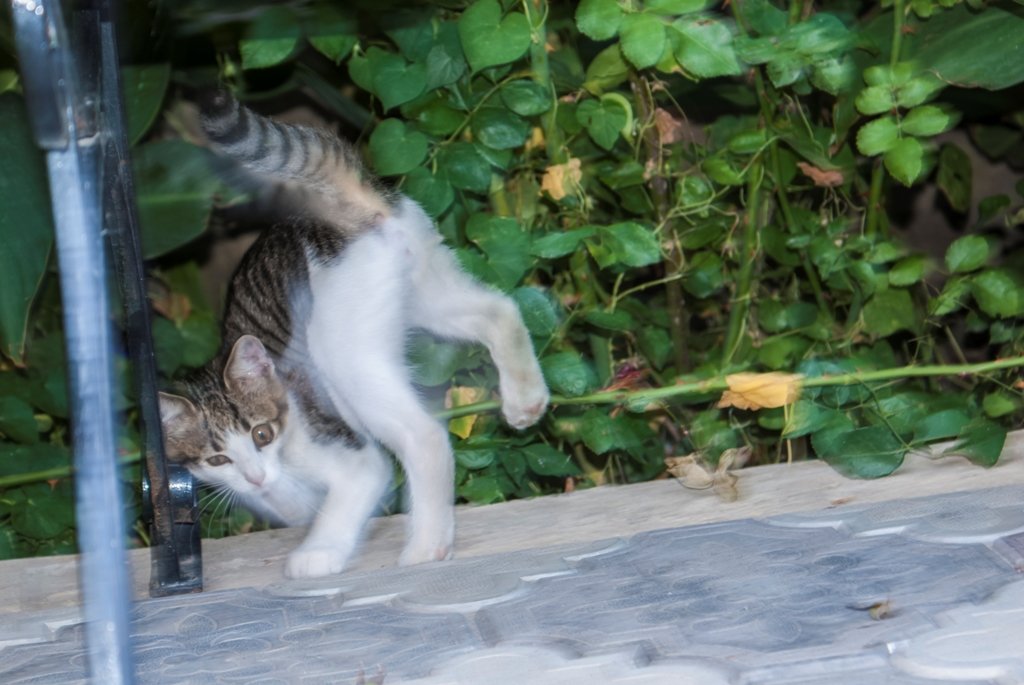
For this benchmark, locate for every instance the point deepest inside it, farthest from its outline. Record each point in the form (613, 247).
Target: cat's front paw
(314, 562)
(524, 402)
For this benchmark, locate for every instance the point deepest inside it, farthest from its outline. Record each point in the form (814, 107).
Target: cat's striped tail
(338, 187)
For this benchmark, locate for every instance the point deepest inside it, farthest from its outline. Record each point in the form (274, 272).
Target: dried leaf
(725, 486)
(670, 129)
(173, 306)
(825, 178)
(733, 458)
(689, 472)
(760, 390)
(562, 179)
(459, 397)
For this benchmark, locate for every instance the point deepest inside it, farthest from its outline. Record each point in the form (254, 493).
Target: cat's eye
(218, 460)
(262, 435)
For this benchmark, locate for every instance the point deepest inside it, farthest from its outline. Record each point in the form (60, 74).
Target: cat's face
(229, 433)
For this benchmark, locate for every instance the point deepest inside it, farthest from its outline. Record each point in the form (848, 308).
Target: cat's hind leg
(451, 304)
(357, 338)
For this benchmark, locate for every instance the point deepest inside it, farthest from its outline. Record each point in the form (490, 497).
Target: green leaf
(834, 75)
(46, 512)
(905, 160)
(176, 187)
(973, 49)
(889, 311)
(396, 149)
(643, 39)
(981, 441)
(675, 6)
(999, 292)
(870, 452)
(18, 421)
(200, 338)
(940, 425)
(270, 39)
(705, 48)
(475, 459)
(954, 177)
(331, 31)
(396, 81)
(808, 417)
(918, 90)
(627, 243)
(412, 30)
(16, 460)
(966, 254)
(555, 245)
(488, 40)
(545, 460)
(875, 100)
(606, 71)
(506, 245)
(433, 193)
(434, 362)
(952, 297)
(603, 120)
(465, 167)
(705, 274)
(26, 226)
(482, 490)
(1000, 403)
(568, 374)
(445, 61)
(144, 86)
(434, 116)
(599, 19)
(929, 120)
(908, 271)
(618, 320)
(878, 136)
(526, 98)
(499, 128)
(539, 313)
(656, 345)
(602, 433)
(764, 18)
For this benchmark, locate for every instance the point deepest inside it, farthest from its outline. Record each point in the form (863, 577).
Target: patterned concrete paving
(907, 592)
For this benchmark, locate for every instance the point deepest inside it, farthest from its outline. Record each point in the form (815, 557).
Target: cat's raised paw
(523, 410)
(314, 562)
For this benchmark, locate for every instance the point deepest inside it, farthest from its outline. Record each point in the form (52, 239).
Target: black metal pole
(58, 109)
(169, 492)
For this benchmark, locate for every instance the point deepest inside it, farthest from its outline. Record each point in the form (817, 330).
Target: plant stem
(644, 396)
(897, 32)
(55, 473)
(537, 13)
(748, 251)
(659, 185)
(875, 200)
(715, 385)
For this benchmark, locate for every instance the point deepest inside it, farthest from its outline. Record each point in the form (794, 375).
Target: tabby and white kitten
(312, 382)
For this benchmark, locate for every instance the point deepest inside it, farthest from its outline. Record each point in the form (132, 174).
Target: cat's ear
(179, 419)
(249, 367)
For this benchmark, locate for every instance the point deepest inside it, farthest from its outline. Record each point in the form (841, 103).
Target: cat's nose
(256, 478)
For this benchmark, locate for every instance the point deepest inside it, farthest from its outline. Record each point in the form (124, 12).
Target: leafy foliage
(671, 190)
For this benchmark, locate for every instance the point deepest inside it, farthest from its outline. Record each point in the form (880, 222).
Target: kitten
(311, 386)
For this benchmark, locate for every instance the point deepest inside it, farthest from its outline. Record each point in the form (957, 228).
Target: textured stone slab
(983, 641)
(954, 518)
(792, 600)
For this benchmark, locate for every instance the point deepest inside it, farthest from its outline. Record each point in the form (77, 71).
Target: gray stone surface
(789, 600)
